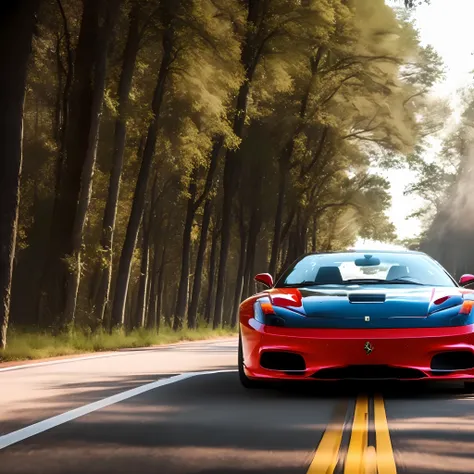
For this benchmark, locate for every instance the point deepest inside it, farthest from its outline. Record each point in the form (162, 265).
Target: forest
(444, 184)
(156, 154)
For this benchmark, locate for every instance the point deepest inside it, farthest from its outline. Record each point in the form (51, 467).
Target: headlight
(265, 314)
(466, 307)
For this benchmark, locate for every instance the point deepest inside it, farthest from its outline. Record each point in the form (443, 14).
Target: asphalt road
(180, 409)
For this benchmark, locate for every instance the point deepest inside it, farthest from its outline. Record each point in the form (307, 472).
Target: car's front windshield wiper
(367, 281)
(402, 280)
(395, 281)
(361, 281)
(303, 283)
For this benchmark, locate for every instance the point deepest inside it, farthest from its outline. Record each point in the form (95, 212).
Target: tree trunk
(285, 244)
(57, 115)
(161, 284)
(297, 241)
(100, 65)
(314, 234)
(292, 251)
(110, 213)
(143, 284)
(239, 283)
(148, 288)
(283, 169)
(139, 319)
(151, 318)
(158, 299)
(63, 102)
(77, 147)
(169, 311)
(193, 308)
(301, 235)
(17, 23)
(130, 308)
(123, 274)
(164, 306)
(232, 167)
(231, 183)
(183, 288)
(152, 321)
(209, 306)
(285, 162)
(254, 230)
(193, 205)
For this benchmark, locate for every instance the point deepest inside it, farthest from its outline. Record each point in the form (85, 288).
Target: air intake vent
(454, 360)
(365, 372)
(284, 361)
(273, 320)
(366, 298)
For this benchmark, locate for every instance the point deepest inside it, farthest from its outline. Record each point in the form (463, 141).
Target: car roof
(367, 251)
(370, 252)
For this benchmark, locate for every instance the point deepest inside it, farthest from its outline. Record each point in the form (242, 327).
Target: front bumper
(339, 354)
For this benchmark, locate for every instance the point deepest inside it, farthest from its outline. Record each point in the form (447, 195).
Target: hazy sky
(447, 25)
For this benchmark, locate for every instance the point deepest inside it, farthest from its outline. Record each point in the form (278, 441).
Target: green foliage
(337, 88)
(28, 344)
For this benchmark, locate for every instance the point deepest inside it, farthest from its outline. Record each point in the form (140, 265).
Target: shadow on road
(209, 424)
(205, 424)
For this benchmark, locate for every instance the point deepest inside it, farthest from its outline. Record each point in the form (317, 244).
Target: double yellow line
(361, 458)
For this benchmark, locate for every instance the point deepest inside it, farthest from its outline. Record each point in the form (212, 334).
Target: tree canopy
(173, 148)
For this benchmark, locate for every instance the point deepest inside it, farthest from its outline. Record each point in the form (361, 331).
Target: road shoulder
(99, 354)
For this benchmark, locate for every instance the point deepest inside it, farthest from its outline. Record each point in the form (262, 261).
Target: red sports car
(359, 315)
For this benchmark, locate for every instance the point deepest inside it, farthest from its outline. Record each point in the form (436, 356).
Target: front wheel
(244, 380)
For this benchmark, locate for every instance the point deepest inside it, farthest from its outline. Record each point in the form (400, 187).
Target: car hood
(376, 306)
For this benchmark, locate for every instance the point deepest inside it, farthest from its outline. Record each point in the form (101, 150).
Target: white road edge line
(45, 425)
(101, 356)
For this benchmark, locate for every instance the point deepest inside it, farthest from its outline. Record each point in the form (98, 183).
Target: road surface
(180, 409)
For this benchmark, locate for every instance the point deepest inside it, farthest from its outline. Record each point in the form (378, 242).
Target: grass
(28, 345)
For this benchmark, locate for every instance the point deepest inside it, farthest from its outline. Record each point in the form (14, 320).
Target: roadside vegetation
(159, 153)
(24, 344)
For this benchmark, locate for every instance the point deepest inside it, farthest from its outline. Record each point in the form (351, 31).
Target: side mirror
(266, 279)
(466, 280)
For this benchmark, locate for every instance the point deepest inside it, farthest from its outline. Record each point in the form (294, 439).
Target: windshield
(365, 268)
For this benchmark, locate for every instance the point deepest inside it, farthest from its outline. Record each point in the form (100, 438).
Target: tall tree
(106, 20)
(63, 267)
(17, 26)
(302, 99)
(255, 40)
(168, 19)
(194, 202)
(110, 212)
(199, 268)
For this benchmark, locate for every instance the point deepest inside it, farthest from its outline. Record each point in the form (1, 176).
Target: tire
(244, 380)
(469, 387)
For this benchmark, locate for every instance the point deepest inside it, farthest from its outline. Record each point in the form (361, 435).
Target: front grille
(453, 360)
(377, 372)
(284, 361)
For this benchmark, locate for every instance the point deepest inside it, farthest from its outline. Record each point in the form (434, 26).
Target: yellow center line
(325, 457)
(370, 461)
(385, 459)
(355, 461)
(360, 459)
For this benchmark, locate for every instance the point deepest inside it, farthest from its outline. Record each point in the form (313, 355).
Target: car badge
(368, 348)
(367, 319)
